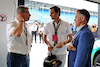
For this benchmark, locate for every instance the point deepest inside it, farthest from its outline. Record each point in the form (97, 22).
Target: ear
(83, 18)
(21, 13)
(58, 13)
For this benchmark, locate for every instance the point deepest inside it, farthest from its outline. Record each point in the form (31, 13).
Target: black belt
(16, 54)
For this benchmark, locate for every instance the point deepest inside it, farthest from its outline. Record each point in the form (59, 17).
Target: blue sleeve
(84, 46)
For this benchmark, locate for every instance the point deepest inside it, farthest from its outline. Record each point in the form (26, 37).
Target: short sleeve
(10, 27)
(69, 31)
(46, 29)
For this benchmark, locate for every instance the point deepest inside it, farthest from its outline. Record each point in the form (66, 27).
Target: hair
(56, 9)
(21, 8)
(33, 22)
(85, 13)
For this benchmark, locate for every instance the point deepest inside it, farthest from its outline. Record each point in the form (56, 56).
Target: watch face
(21, 21)
(65, 43)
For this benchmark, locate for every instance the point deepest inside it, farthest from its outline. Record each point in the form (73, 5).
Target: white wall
(98, 19)
(7, 7)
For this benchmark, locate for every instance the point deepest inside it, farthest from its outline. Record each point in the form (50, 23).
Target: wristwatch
(65, 42)
(21, 21)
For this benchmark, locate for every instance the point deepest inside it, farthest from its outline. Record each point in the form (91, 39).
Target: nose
(29, 14)
(74, 20)
(50, 14)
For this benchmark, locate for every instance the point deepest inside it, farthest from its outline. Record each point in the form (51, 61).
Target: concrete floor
(38, 53)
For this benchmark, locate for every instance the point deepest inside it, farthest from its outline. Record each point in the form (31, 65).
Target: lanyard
(56, 28)
(25, 31)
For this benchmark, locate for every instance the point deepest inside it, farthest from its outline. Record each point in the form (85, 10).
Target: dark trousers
(34, 33)
(17, 61)
(41, 37)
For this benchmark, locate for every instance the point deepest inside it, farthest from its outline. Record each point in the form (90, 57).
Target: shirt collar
(58, 23)
(78, 28)
(16, 20)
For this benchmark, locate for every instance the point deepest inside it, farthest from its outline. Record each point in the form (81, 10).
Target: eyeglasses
(26, 12)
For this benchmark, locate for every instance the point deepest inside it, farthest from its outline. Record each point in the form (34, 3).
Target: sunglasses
(26, 12)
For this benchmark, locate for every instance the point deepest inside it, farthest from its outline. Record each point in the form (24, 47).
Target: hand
(40, 32)
(50, 48)
(60, 45)
(71, 47)
(19, 17)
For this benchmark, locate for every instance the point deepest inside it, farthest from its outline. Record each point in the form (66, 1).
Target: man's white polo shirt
(18, 44)
(62, 32)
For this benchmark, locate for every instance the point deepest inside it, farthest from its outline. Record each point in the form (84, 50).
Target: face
(78, 19)
(40, 25)
(34, 23)
(26, 15)
(53, 14)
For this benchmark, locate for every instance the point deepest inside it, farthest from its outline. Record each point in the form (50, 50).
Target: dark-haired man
(83, 41)
(56, 33)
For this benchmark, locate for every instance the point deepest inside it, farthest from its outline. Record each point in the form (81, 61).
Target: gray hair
(21, 8)
(85, 13)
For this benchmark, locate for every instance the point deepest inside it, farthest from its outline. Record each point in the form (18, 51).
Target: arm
(71, 47)
(38, 31)
(70, 38)
(19, 29)
(85, 44)
(60, 45)
(47, 42)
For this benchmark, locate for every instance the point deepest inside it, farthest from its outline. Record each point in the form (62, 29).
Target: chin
(27, 19)
(52, 18)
